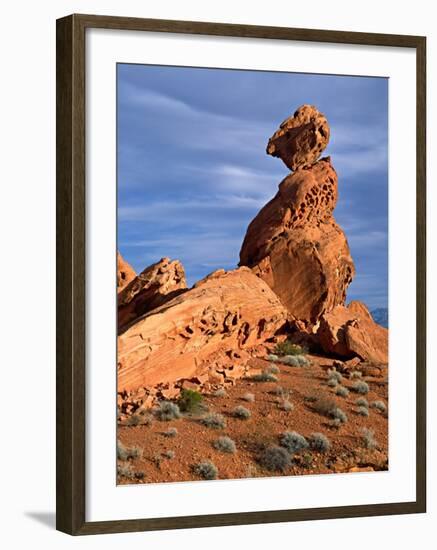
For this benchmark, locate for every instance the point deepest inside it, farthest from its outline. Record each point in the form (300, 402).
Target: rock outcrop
(295, 245)
(125, 272)
(301, 138)
(154, 286)
(351, 332)
(206, 333)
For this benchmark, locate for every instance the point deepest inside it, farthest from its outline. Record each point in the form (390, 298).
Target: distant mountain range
(380, 316)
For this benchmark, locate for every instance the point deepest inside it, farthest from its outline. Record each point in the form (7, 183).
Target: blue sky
(193, 172)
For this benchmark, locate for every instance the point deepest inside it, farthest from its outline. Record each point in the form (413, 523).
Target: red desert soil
(194, 441)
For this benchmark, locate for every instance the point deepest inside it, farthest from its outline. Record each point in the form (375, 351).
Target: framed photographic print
(240, 274)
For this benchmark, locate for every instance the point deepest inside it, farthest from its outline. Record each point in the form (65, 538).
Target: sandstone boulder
(295, 245)
(154, 286)
(351, 331)
(125, 272)
(301, 138)
(211, 327)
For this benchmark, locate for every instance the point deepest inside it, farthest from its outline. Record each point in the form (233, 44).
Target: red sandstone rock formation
(206, 333)
(153, 287)
(295, 245)
(350, 331)
(301, 138)
(125, 272)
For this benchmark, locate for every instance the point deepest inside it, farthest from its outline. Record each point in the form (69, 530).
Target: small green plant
(379, 406)
(295, 360)
(241, 412)
(169, 454)
(220, 393)
(362, 402)
(306, 460)
(190, 400)
(361, 387)
(168, 411)
(363, 411)
(124, 453)
(319, 442)
(369, 440)
(249, 397)
(293, 442)
(171, 432)
(341, 391)
(356, 374)
(272, 357)
(275, 459)
(225, 444)
(206, 469)
(288, 348)
(333, 374)
(286, 405)
(273, 369)
(214, 420)
(264, 376)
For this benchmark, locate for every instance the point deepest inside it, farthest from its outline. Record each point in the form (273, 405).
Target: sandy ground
(194, 441)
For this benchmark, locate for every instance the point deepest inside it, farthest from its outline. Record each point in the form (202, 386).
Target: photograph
(252, 274)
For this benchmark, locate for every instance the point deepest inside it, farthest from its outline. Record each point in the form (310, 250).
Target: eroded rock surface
(208, 331)
(301, 138)
(154, 286)
(350, 331)
(125, 272)
(295, 245)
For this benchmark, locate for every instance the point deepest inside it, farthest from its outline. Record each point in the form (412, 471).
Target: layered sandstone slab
(301, 138)
(125, 272)
(214, 326)
(351, 332)
(154, 286)
(297, 248)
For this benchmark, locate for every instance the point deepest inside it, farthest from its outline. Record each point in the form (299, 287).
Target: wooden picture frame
(71, 248)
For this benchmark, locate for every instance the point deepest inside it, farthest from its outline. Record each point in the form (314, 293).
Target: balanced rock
(297, 248)
(153, 287)
(351, 332)
(125, 272)
(301, 138)
(211, 328)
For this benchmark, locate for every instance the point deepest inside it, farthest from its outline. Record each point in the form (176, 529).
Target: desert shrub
(264, 376)
(189, 400)
(206, 469)
(288, 348)
(306, 460)
(249, 397)
(139, 475)
(363, 411)
(339, 415)
(220, 393)
(225, 444)
(286, 405)
(273, 369)
(379, 406)
(125, 470)
(295, 360)
(310, 398)
(361, 387)
(324, 405)
(214, 420)
(369, 440)
(335, 375)
(319, 442)
(146, 418)
(171, 432)
(275, 459)
(362, 402)
(278, 390)
(133, 420)
(241, 412)
(169, 454)
(272, 357)
(342, 391)
(355, 374)
(332, 383)
(124, 453)
(168, 411)
(293, 442)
